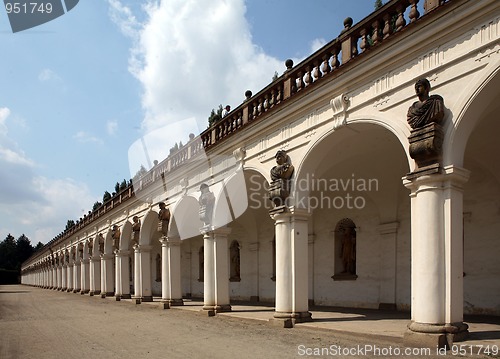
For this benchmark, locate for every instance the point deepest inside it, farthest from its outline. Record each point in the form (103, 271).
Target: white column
(125, 273)
(118, 276)
(69, 272)
(145, 273)
(216, 270)
(64, 275)
(291, 267)
(171, 271)
(137, 273)
(59, 276)
(54, 277)
(85, 272)
(107, 287)
(436, 259)
(77, 275)
(95, 275)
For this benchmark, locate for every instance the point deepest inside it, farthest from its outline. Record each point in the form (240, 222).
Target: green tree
(8, 253)
(96, 205)
(215, 115)
(70, 223)
(123, 185)
(24, 250)
(106, 197)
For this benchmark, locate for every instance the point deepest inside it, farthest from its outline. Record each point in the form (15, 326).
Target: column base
(148, 298)
(69, 290)
(167, 303)
(84, 291)
(76, 290)
(435, 335)
(103, 295)
(288, 320)
(118, 297)
(211, 310)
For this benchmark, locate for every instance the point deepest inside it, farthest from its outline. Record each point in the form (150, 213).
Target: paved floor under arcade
(41, 323)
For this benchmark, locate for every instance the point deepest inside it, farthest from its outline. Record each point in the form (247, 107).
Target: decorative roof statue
(136, 229)
(281, 175)
(163, 218)
(115, 234)
(207, 202)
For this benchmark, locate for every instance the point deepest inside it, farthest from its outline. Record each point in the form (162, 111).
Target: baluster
(364, 44)
(265, 104)
(259, 107)
(308, 78)
(255, 112)
(300, 82)
(387, 26)
(335, 58)
(400, 22)
(376, 38)
(316, 73)
(414, 14)
(354, 46)
(272, 100)
(278, 95)
(325, 67)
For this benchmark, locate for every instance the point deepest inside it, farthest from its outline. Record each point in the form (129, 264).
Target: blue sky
(77, 92)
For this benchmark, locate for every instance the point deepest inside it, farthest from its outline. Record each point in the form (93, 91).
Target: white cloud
(112, 127)
(85, 137)
(317, 44)
(31, 204)
(48, 75)
(191, 56)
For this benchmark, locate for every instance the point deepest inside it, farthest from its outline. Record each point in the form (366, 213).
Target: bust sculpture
(428, 109)
(426, 117)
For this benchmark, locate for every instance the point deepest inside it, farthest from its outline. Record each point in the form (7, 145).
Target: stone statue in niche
(163, 218)
(115, 234)
(281, 175)
(136, 229)
(348, 250)
(207, 202)
(426, 117)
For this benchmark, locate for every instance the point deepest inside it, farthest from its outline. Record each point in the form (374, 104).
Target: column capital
(107, 256)
(211, 231)
(142, 248)
(292, 214)
(122, 253)
(450, 176)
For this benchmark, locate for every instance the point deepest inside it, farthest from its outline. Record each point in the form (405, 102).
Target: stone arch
(478, 99)
(148, 226)
(108, 243)
(370, 138)
(185, 220)
(125, 237)
(230, 200)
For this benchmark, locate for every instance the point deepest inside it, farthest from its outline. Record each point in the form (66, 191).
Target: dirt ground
(40, 323)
